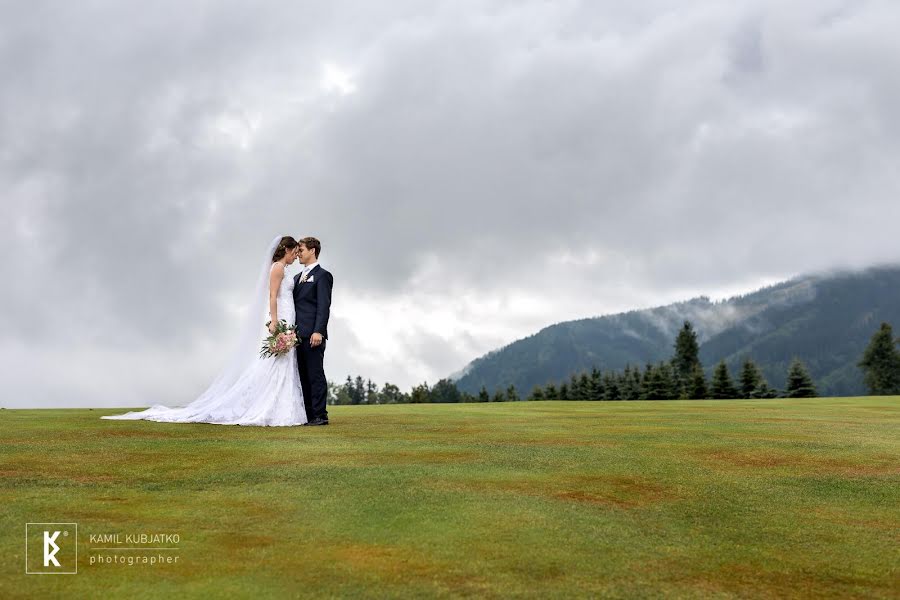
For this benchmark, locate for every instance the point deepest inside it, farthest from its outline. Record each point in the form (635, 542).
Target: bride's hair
(286, 243)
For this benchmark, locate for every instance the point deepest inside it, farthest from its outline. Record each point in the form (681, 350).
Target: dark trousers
(311, 363)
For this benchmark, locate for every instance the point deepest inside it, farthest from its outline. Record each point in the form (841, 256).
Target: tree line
(364, 391)
(682, 377)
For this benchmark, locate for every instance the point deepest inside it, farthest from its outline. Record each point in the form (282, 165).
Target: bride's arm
(274, 283)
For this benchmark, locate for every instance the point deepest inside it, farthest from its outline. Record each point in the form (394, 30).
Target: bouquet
(280, 342)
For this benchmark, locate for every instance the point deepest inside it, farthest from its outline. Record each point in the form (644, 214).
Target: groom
(312, 301)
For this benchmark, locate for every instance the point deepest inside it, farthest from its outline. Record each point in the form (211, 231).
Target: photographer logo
(51, 548)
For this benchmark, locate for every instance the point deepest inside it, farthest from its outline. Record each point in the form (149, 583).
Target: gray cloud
(476, 170)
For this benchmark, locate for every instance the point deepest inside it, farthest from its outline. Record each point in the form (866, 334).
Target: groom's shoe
(318, 421)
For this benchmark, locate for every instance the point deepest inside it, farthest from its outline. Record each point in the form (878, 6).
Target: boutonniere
(310, 278)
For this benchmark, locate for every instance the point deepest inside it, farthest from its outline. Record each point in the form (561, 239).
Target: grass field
(709, 499)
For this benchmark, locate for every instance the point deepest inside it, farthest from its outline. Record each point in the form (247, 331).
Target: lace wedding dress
(265, 392)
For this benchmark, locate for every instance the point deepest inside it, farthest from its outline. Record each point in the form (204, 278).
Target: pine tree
(597, 389)
(764, 391)
(750, 378)
(687, 354)
(799, 383)
(668, 383)
(696, 388)
(359, 390)
(537, 393)
(624, 384)
(722, 387)
(483, 395)
(511, 394)
(644, 379)
(584, 387)
(574, 388)
(564, 392)
(653, 387)
(550, 392)
(610, 387)
(633, 384)
(881, 363)
(498, 397)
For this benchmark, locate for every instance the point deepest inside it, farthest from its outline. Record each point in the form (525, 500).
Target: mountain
(825, 320)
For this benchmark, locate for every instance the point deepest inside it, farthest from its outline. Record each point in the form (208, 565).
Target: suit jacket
(312, 302)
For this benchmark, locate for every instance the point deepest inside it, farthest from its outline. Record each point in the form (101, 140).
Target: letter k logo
(48, 542)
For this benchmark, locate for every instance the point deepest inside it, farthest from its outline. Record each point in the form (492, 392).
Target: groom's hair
(313, 244)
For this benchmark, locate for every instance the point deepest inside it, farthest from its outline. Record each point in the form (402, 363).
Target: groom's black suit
(312, 301)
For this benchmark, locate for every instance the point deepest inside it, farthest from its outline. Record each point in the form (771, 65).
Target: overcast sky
(475, 171)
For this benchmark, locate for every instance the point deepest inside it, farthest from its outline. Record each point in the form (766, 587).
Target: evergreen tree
(467, 397)
(632, 384)
(511, 394)
(764, 391)
(610, 387)
(574, 388)
(584, 387)
(351, 390)
(597, 389)
(654, 387)
(881, 363)
(624, 384)
(645, 380)
(483, 395)
(359, 390)
(537, 393)
(498, 397)
(722, 387)
(687, 354)
(669, 385)
(550, 392)
(564, 392)
(799, 383)
(750, 378)
(696, 388)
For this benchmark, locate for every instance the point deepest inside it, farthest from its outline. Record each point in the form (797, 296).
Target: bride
(251, 390)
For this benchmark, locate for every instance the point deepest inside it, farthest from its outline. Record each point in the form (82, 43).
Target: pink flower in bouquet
(280, 342)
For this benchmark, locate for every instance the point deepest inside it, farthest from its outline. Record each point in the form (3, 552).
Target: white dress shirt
(307, 269)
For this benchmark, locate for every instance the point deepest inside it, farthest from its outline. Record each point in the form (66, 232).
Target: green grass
(710, 499)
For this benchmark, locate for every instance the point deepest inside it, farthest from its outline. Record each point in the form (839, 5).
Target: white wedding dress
(266, 392)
